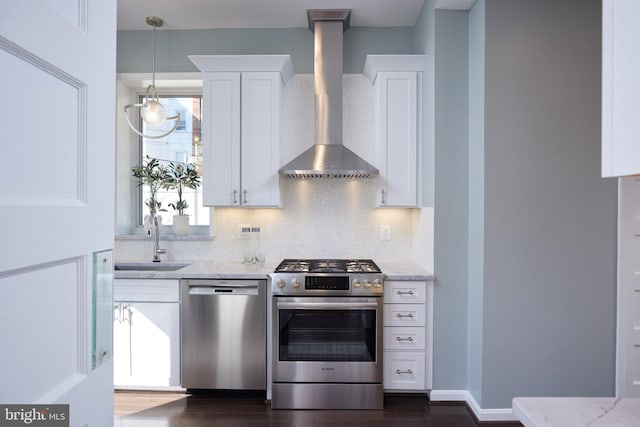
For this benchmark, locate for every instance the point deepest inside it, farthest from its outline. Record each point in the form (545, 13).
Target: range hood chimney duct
(328, 157)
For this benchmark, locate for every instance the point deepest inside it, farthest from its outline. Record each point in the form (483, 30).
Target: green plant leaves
(174, 176)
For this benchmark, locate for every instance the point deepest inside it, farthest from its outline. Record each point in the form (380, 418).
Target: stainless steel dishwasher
(223, 335)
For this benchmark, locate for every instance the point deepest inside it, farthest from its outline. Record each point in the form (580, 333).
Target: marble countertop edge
(577, 411)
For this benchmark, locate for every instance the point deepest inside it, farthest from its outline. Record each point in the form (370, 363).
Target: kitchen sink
(149, 266)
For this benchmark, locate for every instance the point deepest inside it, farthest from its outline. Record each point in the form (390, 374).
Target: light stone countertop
(403, 270)
(394, 270)
(577, 411)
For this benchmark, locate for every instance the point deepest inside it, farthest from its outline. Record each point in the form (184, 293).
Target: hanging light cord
(153, 68)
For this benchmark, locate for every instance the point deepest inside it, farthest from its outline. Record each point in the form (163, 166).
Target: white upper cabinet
(620, 88)
(398, 85)
(241, 121)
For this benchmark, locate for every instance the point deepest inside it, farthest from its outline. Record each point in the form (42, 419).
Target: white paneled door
(628, 369)
(57, 81)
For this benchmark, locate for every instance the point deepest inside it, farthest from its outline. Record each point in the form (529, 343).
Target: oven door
(327, 339)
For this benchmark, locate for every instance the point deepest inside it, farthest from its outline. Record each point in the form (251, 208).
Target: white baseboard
(499, 414)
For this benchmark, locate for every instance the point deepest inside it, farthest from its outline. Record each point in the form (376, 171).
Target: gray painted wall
(536, 298)
(549, 219)
(173, 46)
(476, 254)
(451, 200)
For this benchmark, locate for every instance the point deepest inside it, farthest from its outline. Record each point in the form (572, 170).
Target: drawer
(404, 338)
(404, 315)
(150, 290)
(412, 292)
(404, 370)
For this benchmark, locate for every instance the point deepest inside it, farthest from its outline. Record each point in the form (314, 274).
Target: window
(183, 145)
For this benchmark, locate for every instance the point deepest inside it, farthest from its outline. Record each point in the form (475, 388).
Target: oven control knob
(281, 283)
(376, 283)
(295, 283)
(367, 284)
(356, 283)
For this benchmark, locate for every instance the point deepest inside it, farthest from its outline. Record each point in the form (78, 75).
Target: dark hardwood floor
(146, 409)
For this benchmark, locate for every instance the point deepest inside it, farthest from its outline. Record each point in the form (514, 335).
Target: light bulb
(153, 112)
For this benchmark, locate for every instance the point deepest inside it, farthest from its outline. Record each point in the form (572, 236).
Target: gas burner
(327, 266)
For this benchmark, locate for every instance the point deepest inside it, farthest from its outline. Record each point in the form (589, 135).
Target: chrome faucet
(153, 226)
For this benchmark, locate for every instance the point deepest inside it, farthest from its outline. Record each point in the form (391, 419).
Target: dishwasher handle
(223, 290)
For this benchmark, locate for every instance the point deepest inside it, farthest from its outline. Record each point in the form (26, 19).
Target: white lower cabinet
(146, 333)
(404, 370)
(408, 335)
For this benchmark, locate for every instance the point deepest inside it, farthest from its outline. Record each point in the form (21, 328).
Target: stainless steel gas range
(327, 334)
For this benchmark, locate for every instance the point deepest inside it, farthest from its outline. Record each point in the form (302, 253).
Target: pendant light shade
(152, 112)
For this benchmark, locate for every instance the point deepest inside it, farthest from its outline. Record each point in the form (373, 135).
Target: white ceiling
(200, 14)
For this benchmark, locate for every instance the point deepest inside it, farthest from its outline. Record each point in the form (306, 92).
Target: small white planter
(181, 225)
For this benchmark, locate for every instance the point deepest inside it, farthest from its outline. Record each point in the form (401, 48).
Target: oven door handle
(327, 305)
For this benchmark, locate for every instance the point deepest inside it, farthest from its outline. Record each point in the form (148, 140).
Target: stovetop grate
(327, 266)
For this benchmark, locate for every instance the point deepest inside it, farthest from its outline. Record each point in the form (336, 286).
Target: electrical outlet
(242, 235)
(385, 232)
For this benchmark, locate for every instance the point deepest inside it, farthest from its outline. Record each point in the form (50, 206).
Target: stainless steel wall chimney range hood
(328, 158)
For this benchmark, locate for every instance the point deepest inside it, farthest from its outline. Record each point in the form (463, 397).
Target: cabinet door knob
(382, 199)
(410, 339)
(408, 371)
(235, 197)
(245, 197)
(404, 292)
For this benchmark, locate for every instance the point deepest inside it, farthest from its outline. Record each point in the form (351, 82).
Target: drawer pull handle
(400, 315)
(410, 339)
(408, 371)
(404, 292)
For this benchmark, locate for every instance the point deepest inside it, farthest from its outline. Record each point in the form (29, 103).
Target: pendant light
(152, 111)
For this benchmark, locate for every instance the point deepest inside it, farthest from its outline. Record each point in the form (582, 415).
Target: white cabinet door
(121, 345)
(404, 370)
(147, 345)
(404, 338)
(404, 292)
(397, 116)
(221, 139)
(620, 88)
(260, 142)
(155, 347)
(241, 144)
(404, 315)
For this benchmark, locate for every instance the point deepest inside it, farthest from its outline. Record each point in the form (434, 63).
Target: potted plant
(179, 176)
(151, 173)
